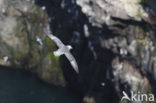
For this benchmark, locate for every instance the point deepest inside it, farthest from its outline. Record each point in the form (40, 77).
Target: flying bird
(63, 49)
(39, 40)
(5, 59)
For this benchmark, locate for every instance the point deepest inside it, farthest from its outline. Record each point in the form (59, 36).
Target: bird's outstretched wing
(56, 40)
(72, 61)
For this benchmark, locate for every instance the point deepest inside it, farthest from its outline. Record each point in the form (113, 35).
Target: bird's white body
(63, 49)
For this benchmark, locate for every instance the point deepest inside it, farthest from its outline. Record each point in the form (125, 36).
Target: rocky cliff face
(21, 28)
(100, 12)
(113, 43)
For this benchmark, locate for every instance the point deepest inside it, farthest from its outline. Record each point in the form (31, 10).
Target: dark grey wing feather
(72, 61)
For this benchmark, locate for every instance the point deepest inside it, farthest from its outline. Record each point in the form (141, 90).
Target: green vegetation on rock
(139, 15)
(51, 55)
(142, 1)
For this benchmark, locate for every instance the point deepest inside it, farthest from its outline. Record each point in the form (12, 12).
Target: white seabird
(39, 40)
(5, 59)
(63, 49)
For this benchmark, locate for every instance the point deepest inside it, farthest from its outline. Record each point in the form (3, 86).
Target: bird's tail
(58, 52)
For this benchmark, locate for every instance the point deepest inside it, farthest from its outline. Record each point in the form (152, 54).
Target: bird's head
(69, 47)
